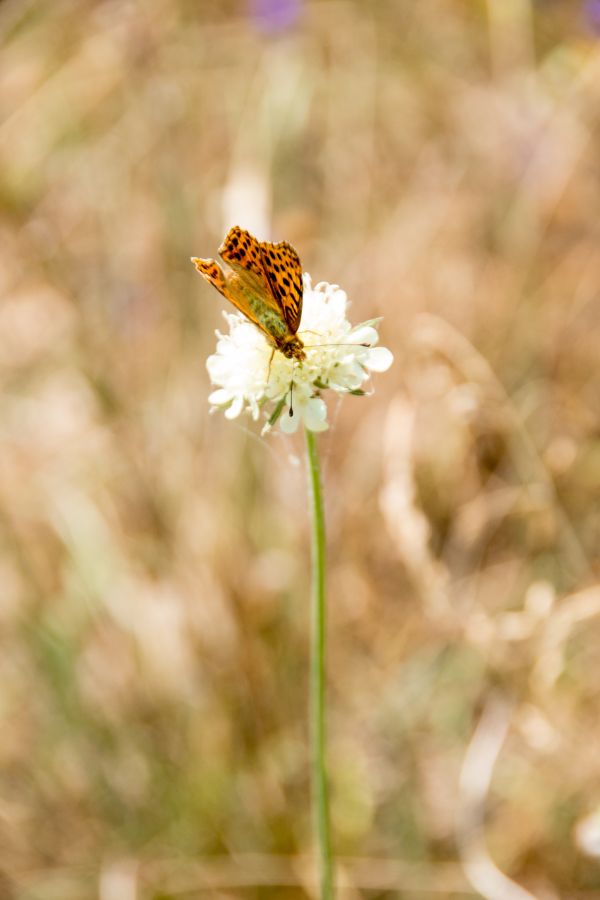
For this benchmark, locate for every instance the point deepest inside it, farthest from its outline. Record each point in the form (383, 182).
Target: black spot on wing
(239, 247)
(284, 273)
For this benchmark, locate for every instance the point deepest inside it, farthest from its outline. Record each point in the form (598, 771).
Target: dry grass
(440, 160)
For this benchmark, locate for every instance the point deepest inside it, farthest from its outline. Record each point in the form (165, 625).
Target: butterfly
(265, 284)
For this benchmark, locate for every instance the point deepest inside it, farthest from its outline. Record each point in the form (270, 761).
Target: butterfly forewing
(241, 251)
(284, 273)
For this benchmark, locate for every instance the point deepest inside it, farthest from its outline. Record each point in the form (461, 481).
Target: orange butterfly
(265, 284)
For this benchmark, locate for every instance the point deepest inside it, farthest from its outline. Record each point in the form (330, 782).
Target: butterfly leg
(270, 362)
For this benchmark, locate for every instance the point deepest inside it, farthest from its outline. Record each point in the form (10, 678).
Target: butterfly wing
(213, 273)
(283, 269)
(265, 284)
(276, 266)
(242, 252)
(241, 249)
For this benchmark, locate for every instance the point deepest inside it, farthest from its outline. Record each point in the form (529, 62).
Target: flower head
(249, 376)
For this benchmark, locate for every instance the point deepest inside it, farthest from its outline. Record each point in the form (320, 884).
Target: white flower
(249, 377)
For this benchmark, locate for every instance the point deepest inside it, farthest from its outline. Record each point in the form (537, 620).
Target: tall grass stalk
(320, 788)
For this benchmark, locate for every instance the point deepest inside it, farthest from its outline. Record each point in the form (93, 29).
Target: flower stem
(320, 790)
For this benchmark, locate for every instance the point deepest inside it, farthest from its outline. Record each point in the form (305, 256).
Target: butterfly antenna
(337, 344)
(318, 346)
(291, 412)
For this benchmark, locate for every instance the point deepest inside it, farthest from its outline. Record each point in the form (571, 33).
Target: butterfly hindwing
(284, 273)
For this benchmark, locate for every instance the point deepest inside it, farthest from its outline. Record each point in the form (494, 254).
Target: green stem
(320, 790)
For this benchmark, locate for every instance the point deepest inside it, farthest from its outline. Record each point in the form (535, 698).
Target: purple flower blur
(275, 15)
(591, 11)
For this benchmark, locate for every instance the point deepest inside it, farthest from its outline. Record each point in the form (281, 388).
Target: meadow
(439, 160)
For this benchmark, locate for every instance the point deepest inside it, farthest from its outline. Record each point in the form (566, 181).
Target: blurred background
(439, 160)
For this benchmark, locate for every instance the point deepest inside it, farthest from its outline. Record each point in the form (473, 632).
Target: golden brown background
(440, 160)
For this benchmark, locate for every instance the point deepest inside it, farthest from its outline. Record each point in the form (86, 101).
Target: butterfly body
(265, 284)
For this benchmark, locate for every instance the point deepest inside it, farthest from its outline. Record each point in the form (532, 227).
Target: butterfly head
(292, 348)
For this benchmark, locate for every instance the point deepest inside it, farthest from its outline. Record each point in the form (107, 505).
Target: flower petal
(364, 334)
(219, 397)
(314, 413)
(379, 359)
(289, 424)
(337, 303)
(235, 408)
